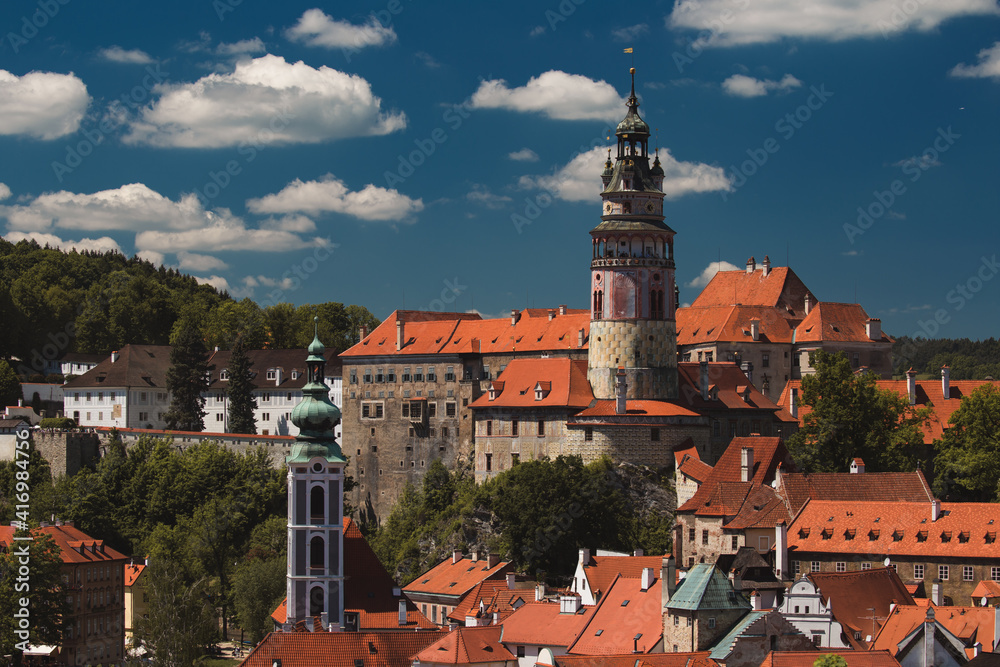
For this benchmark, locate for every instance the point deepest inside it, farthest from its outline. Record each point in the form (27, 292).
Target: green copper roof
(704, 588)
(632, 123)
(315, 415)
(725, 646)
(316, 349)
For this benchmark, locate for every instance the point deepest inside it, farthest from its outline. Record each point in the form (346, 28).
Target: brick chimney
(562, 309)
(456, 556)
(746, 464)
(648, 577)
(400, 335)
(513, 317)
(793, 402)
(492, 560)
(363, 332)
(552, 314)
(755, 329)
(751, 265)
(807, 303)
(114, 356)
(873, 327)
(781, 550)
(911, 386)
(580, 337)
(946, 382)
(668, 572)
(621, 388)
(767, 265)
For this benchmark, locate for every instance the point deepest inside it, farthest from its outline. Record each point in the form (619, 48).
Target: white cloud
(580, 179)
(290, 223)
(331, 195)
(131, 207)
(153, 257)
(924, 161)
(284, 283)
(117, 54)
(225, 232)
(740, 85)
(481, 194)
(988, 65)
(102, 244)
(190, 261)
(706, 276)
(263, 101)
(242, 47)
(43, 105)
(763, 21)
(218, 282)
(523, 155)
(555, 93)
(317, 29)
(4, 191)
(629, 33)
(427, 59)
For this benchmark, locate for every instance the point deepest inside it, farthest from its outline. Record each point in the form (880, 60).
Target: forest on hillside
(967, 359)
(53, 302)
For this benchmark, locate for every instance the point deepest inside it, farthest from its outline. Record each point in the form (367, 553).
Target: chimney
(946, 382)
(492, 560)
(114, 355)
(475, 556)
(669, 575)
(767, 265)
(756, 601)
(402, 611)
(580, 336)
(935, 509)
(511, 581)
(677, 297)
(363, 332)
(456, 556)
(928, 638)
(513, 317)
(552, 314)
(279, 376)
(755, 329)
(703, 379)
(746, 464)
(781, 550)
(873, 327)
(400, 340)
(539, 592)
(911, 386)
(937, 596)
(807, 303)
(747, 368)
(793, 402)
(638, 553)
(751, 265)
(996, 628)
(977, 648)
(620, 390)
(857, 466)
(648, 577)
(562, 309)
(569, 604)
(584, 557)
(736, 580)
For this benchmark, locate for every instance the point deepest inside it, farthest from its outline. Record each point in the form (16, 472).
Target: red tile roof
(339, 649)
(695, 469)
(456, 578)
(855, 594)
(75, 546)
(724, 378)
(637, 407)
(368, 589)
(542, 624)
(963, 530)
(132, 573)
(986, 589)
(700, 659)
(624, 613)
(460, 333)
(601, 571)
(565, 381)
(492, 596)
(929, 394)
(730, 323)
(781, 287)
(840, 322)
(467, 646)
(797, 488)
(808, 658)
(970, 624)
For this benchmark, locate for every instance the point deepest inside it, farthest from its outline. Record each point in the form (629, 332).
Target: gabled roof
(699, 659)
(723, 494)
(852, 596)
(929, 393)
(139, 366)
(836, 322)
(808, 658)
(796, 488)
(456, 578)
(962, 530)
(542, 624)
(491, 596)
(915, 644)
(601, 571)
(467, 333)
(755, 572)
(780, 288)
(339, 649)
(725, 380)
(725, 646)
(368, 589)
(717, 324)
(467, 646)
(567, 385)
(695, 469)
(969, 624)
(264, 360)
(704, 588)
(627, 619)
(75, 546)
(986, 589)
(132, 573)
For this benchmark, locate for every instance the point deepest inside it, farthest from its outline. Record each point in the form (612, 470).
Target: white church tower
(315, 506)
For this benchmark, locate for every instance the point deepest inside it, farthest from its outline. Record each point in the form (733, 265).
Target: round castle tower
(632, 273)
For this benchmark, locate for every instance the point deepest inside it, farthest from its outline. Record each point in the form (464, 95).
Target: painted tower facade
(315, 580)
(632, 273)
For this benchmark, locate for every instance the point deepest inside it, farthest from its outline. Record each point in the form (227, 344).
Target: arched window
(316, 601)
(316, 505)
(316, 560)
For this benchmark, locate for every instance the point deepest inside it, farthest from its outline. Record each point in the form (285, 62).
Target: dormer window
(271, 375)
(542, 390)
(496, 388)
(295, 375)
(849, 534)
(946, 536)
(803, 533)
(827, 533)
(897, 535)
(921, 536)
(224, 375)
(873, 534)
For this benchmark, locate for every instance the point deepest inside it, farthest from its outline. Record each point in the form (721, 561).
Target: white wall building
(803, 607)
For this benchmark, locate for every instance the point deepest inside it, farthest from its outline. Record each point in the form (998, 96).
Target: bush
(58, 422)
(36, 377)
(54, 378)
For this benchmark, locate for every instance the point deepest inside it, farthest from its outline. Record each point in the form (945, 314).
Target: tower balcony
(622, 260)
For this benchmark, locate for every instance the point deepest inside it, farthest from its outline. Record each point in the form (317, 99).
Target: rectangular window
(489, 462)
(967, 573)
(406, 408)
(372, 410)
(432, 409)
(368, 376)
(736, 543)
(515, 459)
(486, 372)
(798, 570)
(270, 374)
(541, 427)
(354, 376)
(406, 374)
(711, 621)
(489, 427)
(943, 572)
(418, 375)
(444, 431)
(704, 537)
(514, 425)
(866, 566)
(266, 416)
(995, 573)
(449, 375)
(654, 435)
(416, 410)
(815, 566)
(219, 417)
(431, 375)
(588, 434)
(691, 535)
(841, 566)
(449, 409)
(765, 360)
(266, 397)
(379, 375)
(918, 572)
(391, 375)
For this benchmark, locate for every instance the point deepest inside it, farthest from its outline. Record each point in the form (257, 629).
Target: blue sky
(447, 156)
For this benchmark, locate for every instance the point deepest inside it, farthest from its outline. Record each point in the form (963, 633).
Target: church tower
(632, 273)
(315, 581)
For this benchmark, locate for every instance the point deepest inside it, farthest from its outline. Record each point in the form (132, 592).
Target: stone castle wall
(646, 348)
(67, 451)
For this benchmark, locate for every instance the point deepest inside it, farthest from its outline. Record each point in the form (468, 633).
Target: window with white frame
(918, 571)
(943, 572)
(967, 573)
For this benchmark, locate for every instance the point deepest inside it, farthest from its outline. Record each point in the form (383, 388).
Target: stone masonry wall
(646, 348)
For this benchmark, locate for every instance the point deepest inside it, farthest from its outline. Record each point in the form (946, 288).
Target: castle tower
(632, 273)
(315, 505)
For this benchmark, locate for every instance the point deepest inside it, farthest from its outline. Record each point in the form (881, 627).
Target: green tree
(10, 385)
(187, 380)
(282, 325)
(830, 660)
(230, 319)
(258, 587)
(240, 391)
(851, 417)
(967, 466)
(46, 593)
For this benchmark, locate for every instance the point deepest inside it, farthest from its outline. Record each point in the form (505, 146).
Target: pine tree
(241, 399)
(10, 385)
(187, 380)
